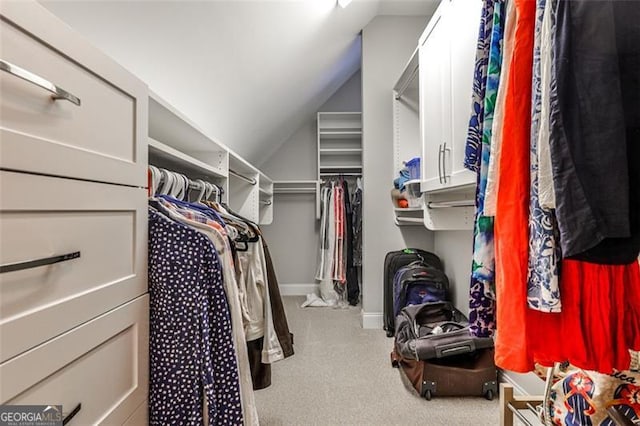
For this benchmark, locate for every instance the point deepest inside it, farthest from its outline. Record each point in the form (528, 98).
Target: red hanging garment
(512, 218)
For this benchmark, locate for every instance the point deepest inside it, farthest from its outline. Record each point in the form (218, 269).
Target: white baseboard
(372, 320)
(298, 289)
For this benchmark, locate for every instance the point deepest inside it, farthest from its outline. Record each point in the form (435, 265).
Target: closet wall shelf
(295, 186)
(265, 193)
(449, 210)
(415, 221)
(409, 75)
(340, 134)
(170, 126)
(185, 161)
(408, 209)
(340, 151)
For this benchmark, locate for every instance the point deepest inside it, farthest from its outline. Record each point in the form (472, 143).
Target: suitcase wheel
(427, 395)
(489, 395)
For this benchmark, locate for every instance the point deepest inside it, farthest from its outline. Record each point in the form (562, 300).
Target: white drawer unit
(101, 366)
(95, 129)
(102, 229)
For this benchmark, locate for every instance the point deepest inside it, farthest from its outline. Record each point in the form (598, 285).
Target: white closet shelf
(408, 209)
(265, 193)
(295, 186)
(340, 168)
(166, 152)
(340, 134)
(294, 182)
(340, 151)
(413, 221)
(168, 124)
(408, 79)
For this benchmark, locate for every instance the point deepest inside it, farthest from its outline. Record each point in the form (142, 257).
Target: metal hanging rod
(251, 181)
(266, 202)
(447, 204)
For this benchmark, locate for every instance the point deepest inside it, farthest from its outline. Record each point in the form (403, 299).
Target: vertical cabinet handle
(19, 266)
(440, 163)
(444, 163)
(72, 414)
(57, 92)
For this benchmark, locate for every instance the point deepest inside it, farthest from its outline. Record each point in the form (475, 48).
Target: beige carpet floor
(341, 375)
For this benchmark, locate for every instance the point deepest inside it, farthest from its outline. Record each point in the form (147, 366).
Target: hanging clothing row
(554, 138)
(216, 317)
(340, 252)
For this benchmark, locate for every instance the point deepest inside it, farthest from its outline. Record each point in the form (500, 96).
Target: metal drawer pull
(10, 267)
(72, 414)
(58, 93)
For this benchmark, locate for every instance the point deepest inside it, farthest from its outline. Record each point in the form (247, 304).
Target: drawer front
(101, 139)
(102, 365)
(105, 224)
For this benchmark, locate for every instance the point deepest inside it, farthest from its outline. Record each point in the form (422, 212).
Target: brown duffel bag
(439, 356)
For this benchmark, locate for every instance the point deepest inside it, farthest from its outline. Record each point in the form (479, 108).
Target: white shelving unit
(178, 144)
(265, 190)
(406, 137)
(244, 188)
(339, 143)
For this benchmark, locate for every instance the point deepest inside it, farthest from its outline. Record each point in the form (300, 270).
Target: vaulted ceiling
(248, 72)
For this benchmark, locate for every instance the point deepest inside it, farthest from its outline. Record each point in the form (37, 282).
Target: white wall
(455, 248)
(293, 235)
(387, 44)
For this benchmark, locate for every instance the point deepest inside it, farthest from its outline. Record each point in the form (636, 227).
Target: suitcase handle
(465, 347)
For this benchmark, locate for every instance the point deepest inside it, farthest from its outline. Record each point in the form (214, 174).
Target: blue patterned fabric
(482, 300)
(190, 343)
(474, 135)
(543, 290)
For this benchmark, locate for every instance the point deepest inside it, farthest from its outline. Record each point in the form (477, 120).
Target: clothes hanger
(202, 189)
(166, 178)
(156, 177)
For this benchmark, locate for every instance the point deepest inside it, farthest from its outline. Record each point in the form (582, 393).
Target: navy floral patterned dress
(191, 348)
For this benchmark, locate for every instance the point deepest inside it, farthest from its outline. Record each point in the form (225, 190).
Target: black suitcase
(393, 261)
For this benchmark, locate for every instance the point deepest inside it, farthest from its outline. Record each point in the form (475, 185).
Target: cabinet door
(433, 59)
(463, 17)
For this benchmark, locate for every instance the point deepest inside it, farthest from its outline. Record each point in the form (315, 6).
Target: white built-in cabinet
(431, 111)
(73, 223)
(447, 51)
